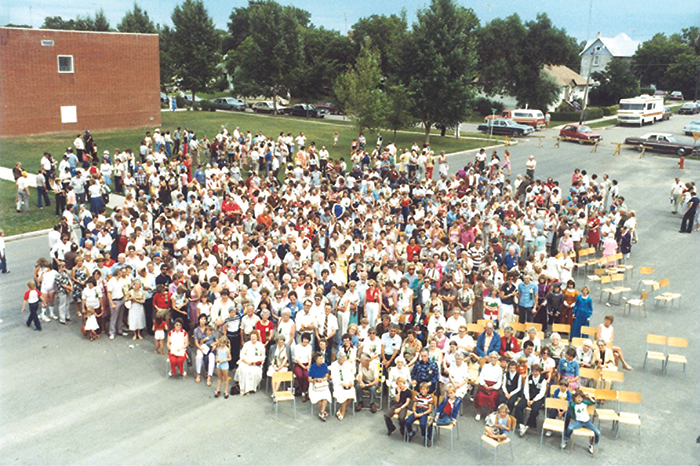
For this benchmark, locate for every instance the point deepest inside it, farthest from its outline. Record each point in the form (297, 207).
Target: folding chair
(615, 290)
(449, 427)
(630, 418)
(639, 303)
(667, 296)
(475, 328)
(562, 329)
(517, 327)
(591, 332)
(646, 281)
(608, 377)
(597, 273)
(379, 390)
(537, 326)
(284, 395)
(604, 280)
(495, 444)
(591, 374)
(658, 340)
(674, 342)
(553, 424)
(582, 431)
(577, 342)
(606, 414)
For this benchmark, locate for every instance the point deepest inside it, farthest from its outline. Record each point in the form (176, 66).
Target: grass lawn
(603, 124)
(14, 223)
(28, 150)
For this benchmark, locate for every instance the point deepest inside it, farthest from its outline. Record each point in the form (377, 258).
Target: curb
(31, 234)
(478, 149)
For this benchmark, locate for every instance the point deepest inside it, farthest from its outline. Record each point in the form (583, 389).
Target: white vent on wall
(47, 43)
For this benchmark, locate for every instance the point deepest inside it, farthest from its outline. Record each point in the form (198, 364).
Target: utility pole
(588, 83)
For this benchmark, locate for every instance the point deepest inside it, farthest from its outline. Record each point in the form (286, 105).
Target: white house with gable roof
(601, 50)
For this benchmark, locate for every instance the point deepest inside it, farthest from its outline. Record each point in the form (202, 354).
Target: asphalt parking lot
(64, 400)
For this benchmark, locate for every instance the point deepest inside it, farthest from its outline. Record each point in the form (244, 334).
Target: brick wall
(115, 82)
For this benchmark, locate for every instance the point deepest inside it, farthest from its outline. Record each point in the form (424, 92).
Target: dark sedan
(306, 110)
(662, 142)
(229, 103)
(505, 127)
(691, 108)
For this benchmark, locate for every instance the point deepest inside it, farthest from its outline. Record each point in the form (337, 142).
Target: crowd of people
(359, 273)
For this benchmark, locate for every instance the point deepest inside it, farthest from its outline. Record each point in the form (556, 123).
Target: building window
(69, 114)
(47, 43)
(596, 60)
(65, 63)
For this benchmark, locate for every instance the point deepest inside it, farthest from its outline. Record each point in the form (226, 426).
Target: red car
(581, 133)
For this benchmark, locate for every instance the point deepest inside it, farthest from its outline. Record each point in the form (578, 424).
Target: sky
(639, 19)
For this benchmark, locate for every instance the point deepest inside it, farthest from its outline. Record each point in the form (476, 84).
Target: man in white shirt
(464, 341)
(115, 295)
(326, 329)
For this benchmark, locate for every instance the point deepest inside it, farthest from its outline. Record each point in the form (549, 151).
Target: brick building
(55, 81)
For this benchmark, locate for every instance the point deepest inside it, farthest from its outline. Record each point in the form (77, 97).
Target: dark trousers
(33, 316)
(423, 425)
(3, 263)
(148, 310)
(510, 402)
(388, 417)
(60, 201)
(687, 222)
(235, 340)
(535, 410)
(524, 314)
(42, 195)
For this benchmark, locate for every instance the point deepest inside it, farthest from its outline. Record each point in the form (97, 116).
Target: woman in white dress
(137, 315)
(459, 375)
(249, 373)
(343, 376)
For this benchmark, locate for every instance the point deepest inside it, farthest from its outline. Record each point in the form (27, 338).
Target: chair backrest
(587, 390)
(501, 332)
(475, 328)
(618, 256)
(482, 361)
(629, 397)
(591, 410)
(677, 342)
(561, 328)
(481, 322)
(281, 377)
(605, 279)
(540, 335)
(555, 403)
(590, 331)
(655, 287)
(644, 295)
(577, 342)
(517, 326)
(656, 339)
(613, 376)
(664, 282)
(589, 373)
(605, 395)
(599, 271)
(537, 326)
(618, 277)
(646, 270)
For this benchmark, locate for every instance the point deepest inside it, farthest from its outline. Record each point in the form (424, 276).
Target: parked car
(659, 93)
(667, 114)
(329, 107)
(581, 133)
(164, 99)
(691, 108)
(662, 142)
(675, 95)
(692, 127)
(505, 127)
(188, 97)
(229, 103)
(534, 118)
(306, 110)
(266, 106)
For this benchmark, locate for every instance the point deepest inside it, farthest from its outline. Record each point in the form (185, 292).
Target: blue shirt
(568, 368)
(318, 372)
(526, 294)
(426, 372)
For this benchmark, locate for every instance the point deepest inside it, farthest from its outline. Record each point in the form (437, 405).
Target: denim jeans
(578, 424)
(423, 425)
(33, 316)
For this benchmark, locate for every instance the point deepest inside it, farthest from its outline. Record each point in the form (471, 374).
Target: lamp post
(588, 83)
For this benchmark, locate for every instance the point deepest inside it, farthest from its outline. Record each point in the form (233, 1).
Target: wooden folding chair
(495, 444)
(582, 431)
(283, 395)
(589, 331)
(591, 374)
(606, 414)
(674, 342)
(553, 424)
(615, 290)
(537, 326)
(517, 327)
(608, 377)
(597, 274)
(667, 296)
(475, 328)
(644, 271)
(640, 304)
(656, 340)
(630, 418)
(562, 329)
(577, 342)
(482, 322)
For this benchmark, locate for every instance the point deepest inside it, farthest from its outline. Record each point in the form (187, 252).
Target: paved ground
(64, 400)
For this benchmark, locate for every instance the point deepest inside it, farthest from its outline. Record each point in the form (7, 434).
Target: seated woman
(318, 385)
(178, 340)
(606, 332)
(509, 344)
(449, 408)
(556, 347)
(568, 369)
(603, 357)
(343, 377)
(458, 374)
(249, 373)
(548, 364)
(490, 381)
(400, 370)
(499, 424)
(532, 336)
(302, 354)
(279, 359)
(411, 347)
(204, 339)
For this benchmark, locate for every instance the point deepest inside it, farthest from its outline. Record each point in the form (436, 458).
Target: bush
(484, 105)
(610, 110)
(206, 106)
(592, 113)
(181, 102)
(647, 90)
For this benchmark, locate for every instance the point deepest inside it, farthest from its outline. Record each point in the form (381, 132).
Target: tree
(57, 22)
(194, 46)
(398, 108)
(166, 44)
(98, 23)
(358, 91)
(137, 20)
(616, 82)
(683, 74)
(326, 54)
(25, 26)
(652, 59)
(387, 34)
(512, 56)
(442, 47)
(270, 56)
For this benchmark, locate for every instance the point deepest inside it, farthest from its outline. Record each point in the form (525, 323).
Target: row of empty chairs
(659, 348)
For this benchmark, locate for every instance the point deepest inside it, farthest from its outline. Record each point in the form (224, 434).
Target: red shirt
(263, 329)
(412, 251)
(162, 300)
(28, 295)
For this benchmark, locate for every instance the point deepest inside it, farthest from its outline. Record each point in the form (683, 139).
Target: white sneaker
(548, 433)
(523, 430)
(590, 449)
(111, 337)
(54, 317)
(478, 417)
(563, 444)
(45, 319)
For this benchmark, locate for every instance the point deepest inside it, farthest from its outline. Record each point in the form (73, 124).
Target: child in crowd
(91, 323)
(422, 407)
(32, 298)
(578, 410)
(159, 328)
(499, 423)
(223, 356)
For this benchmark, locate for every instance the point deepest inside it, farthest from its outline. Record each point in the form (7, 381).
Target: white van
(640, 110)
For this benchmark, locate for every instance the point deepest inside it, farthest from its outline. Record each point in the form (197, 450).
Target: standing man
(530, 166)
(22, 193)
(64, 288)
(527, 299)
(677, 195)
(689, 217)
(115, 297)
(41, 192)
(79, 150)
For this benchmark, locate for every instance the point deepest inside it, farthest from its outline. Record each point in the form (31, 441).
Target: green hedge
(592, 113)
(206, 106)
(610, 110)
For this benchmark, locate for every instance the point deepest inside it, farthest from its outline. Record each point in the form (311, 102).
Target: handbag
(319, 386)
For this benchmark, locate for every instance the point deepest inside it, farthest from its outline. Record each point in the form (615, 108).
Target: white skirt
(317, 395)
(91, 323)
(137, 317)
(343, 394)
(271, 370)
(248, 377)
